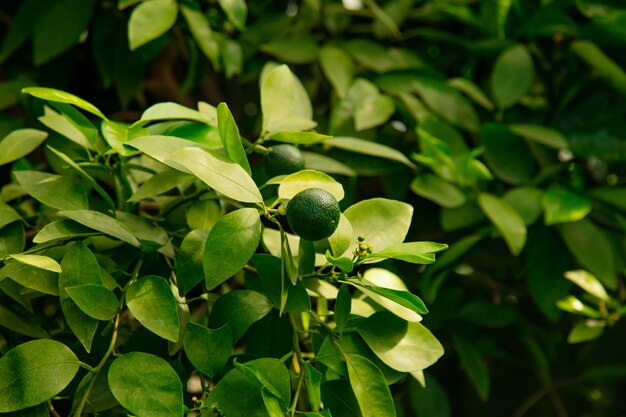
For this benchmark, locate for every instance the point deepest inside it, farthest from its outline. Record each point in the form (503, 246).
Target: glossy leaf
(563, 206)
(34, 372)
(588, 282)
(54, 190)
(94, 300)
(208, 349)
(20, 143)
(230, 137)
(79, 268)
(306, 179)
(370, 148)
(151, 301)
(58, 96)
(508, 222)
(402, 345)
(230, 245)
(403, 298)
(102, 223)
(38, 261)
(239, 309)
(218, 172)
(150, 20)
(369, 386)
(434, 188)
(189, 262)
(414, 252)
(146, 385)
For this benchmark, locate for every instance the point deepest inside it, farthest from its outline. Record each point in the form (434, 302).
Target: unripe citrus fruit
(283, 159)
(313, 214)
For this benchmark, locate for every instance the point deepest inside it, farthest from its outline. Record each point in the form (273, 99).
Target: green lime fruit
(313, 214)
(282, 160)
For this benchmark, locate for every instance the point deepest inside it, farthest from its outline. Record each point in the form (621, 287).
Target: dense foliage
(495, 127)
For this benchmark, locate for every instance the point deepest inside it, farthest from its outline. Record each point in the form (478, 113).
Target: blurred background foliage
(512, 111)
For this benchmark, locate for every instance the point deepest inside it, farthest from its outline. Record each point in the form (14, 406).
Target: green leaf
(189, 262)
(12, 239)
(151, 301)
(586, 330)
(343, 237)
(370, 388)
(208, 349)
(284, 102)
(306, 179)
(54, 190)
(526, 201)
(294, 296)
(230, 137)
(240, 309)
(38, 261)
(370, 148)
(599, 61)
(20, 143)
(507, 154)
(513, 75)
(343, 263)
(230, 245)
(343, 305)
(62, 230)
(218, 172)
(173, 111)
(94, 300)
(272, 403)
(564, 206)
(12, 321)
(58, 96)
(102, 223)
(592, 248)
(88, 178)
(158, 184)
(22, 24)
(541, 134)
(240, 393)
(474, 366)
(338, 67)
(34, 372)
(146, 385)
(508, 222)
(202, 33)
(573, 305)
(8, 215)
(313, 384)
(236, 11)
(48, 40)
(588, 282)
(403, 298)
(40, 410)
(446, 102)
(299, 138)
(150, 20)
(381, 222)
(79, 268)
(372, 111)
(337, 395)
(298, 49)
(414, 252)
(471, 90)
(40, 280)
(151, 237)
(429, 400)
(371, 55)
(402, 345)
(251, 369)
(436, 189)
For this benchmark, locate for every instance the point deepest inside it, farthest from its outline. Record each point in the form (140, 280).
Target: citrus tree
(499, 122)
(149, 268)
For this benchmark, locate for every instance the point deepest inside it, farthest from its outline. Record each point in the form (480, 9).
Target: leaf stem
(301, 361)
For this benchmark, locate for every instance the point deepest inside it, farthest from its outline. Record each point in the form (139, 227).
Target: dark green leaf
(564, 206)
(230, 245)
(343, 305)
(34, 372)
(12, 321)
(513, 75)
(94, 300)
(146, 385)
(474, 366)
(189, 262)
(208, 349)
(508, 222)
(151, 301)
(239, 309)
(54, 190)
